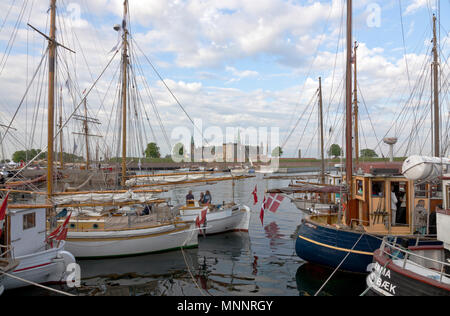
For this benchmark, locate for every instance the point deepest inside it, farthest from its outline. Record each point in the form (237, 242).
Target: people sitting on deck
(190, 198)
(207, 198)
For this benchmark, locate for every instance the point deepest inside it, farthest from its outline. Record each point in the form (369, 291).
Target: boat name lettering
(378, 274)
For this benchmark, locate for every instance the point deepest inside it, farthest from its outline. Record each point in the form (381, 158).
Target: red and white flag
(3, 212)
(60, 233)
(201, 221)
(273, 202)
(261, 214)
(255, 195)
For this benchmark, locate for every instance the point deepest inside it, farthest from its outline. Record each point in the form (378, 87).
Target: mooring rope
(337, 268)
(36, 284)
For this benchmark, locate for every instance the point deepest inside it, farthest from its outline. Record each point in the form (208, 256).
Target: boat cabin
(384, 201)
(25, 231)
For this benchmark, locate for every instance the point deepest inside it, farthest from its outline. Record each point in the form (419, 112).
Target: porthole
(95, 226)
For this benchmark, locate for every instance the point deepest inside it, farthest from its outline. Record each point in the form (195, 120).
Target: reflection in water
(311, 277)
(273, 233)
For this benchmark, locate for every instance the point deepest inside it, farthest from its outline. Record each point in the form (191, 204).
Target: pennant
(3, 212)
(60, 233)
(255, 195)
(273, 202)
(261, 214)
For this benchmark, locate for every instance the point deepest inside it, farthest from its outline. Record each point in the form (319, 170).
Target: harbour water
(261, 262)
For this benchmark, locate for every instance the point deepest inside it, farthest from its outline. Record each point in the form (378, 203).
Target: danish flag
(273, 202)
(3, 212)
(255, 195)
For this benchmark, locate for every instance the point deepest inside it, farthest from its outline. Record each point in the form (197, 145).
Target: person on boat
(394, 201)
(202, 197)
(401, 211)
(207, 198)
(432, 228)
(190, 196)
(420, 218)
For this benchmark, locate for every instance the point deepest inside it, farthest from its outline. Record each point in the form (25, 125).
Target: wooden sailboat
(347, 240)
(120, 224)
(320, 197)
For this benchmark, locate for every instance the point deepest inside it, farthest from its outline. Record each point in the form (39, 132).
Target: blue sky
(241, 64)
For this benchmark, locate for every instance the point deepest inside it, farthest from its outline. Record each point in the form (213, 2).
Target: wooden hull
(48, 266)
(327, 245)
(122, 243)
(224, 221)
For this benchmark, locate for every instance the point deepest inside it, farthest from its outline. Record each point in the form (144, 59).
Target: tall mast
(61, 158)
(355, 105)
(322, 155)
(124, 92)
(437, 151)
(86, 133)
(348, 101)
(51, 98)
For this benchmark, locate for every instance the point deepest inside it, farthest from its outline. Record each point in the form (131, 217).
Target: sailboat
(348, 240)
(220, 218)
(121, 222)
(322, 196)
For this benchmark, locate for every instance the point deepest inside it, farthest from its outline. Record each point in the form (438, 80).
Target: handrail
(407, 255)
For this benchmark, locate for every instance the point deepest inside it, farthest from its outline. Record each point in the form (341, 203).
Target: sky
(229, 64)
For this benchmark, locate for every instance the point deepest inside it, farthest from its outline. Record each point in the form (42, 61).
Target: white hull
(121, 243)
(48, 266)
(237, 219)
(313, 208)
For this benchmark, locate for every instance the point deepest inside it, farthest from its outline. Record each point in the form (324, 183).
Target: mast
(86, 130)
(355, 106)
(61, 160)
(124, 92)
(51, 98)
(437, 151)
(322, 155)
(348, 101)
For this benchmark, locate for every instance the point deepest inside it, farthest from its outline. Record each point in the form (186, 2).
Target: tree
(25, 155)
(368, 153)
(152, 151)
(277, 152)
(335, 151)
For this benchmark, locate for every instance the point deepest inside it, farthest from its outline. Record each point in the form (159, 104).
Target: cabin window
(359, 187)
(420, 191)
(436, 191)
(377, 188)
(29, 221)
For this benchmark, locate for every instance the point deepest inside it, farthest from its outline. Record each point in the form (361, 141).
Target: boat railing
(393, 250)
